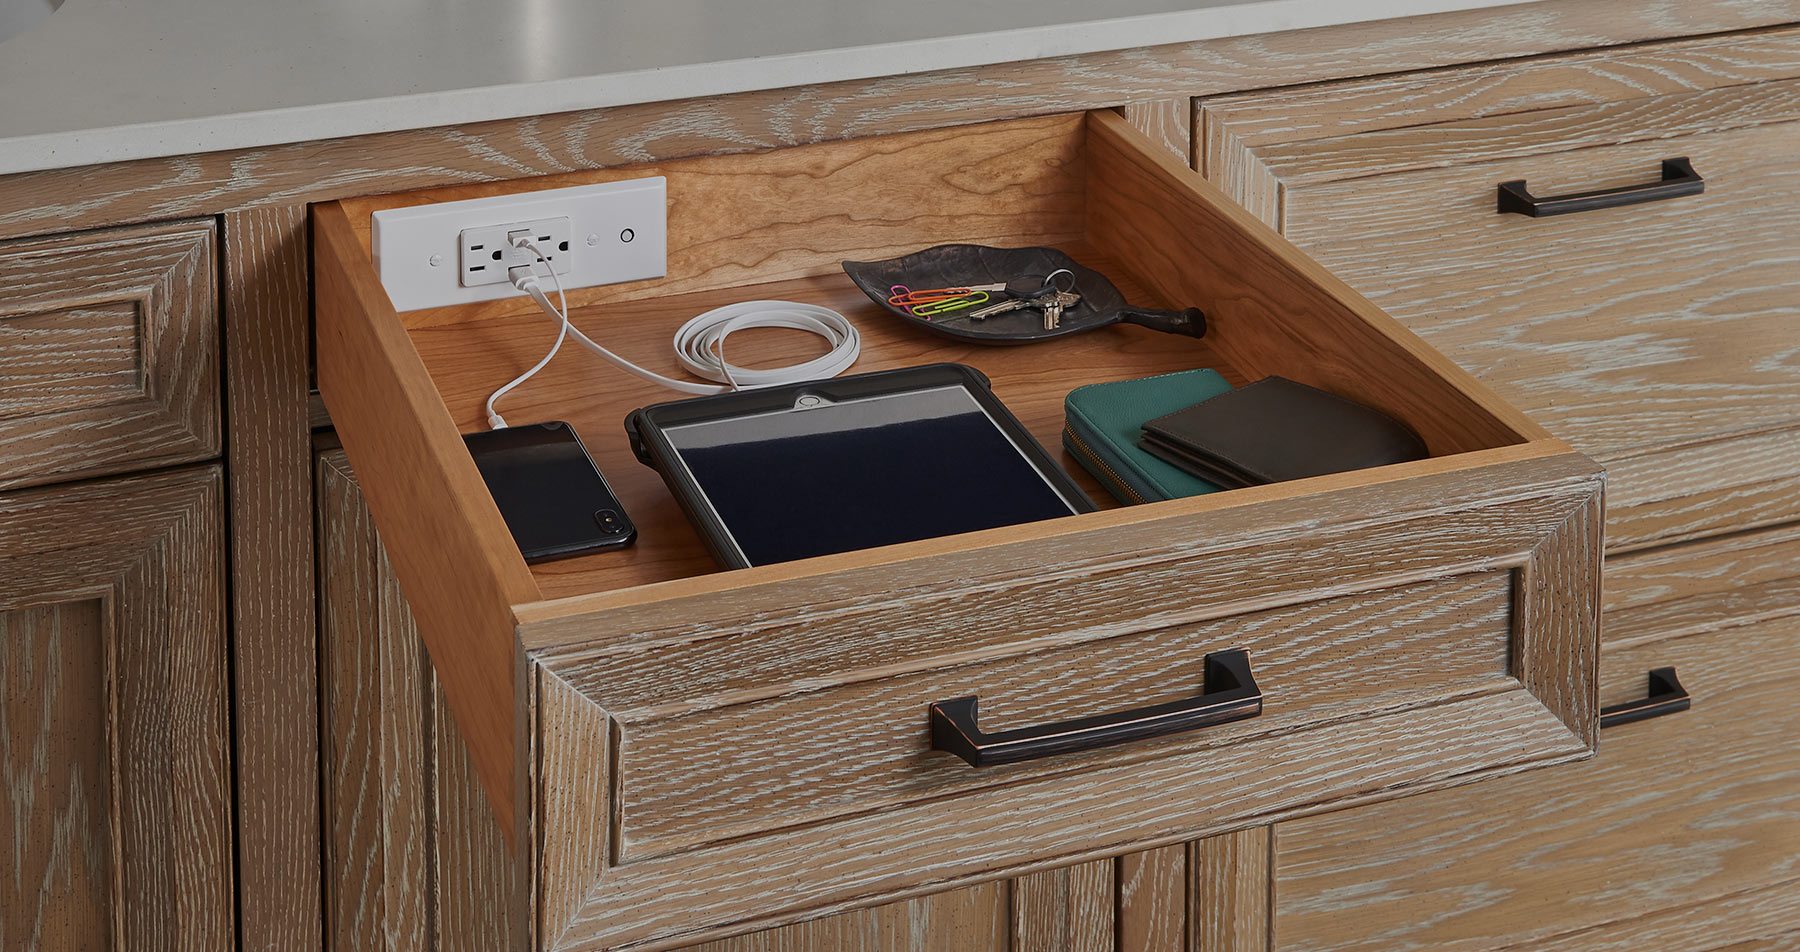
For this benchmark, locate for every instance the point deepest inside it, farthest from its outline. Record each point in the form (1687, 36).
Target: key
(1054, 306)
(982, 314)
(1020, 298)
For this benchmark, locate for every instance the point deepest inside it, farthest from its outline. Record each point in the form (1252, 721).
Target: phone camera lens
(607, 518)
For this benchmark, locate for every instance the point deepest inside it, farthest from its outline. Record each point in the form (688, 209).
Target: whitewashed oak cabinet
(426, 744)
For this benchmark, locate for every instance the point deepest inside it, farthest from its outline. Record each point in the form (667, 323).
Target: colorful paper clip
(936, 300)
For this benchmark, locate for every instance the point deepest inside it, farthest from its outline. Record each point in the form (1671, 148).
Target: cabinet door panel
(112, 727)
(414, 860)
(110, 344)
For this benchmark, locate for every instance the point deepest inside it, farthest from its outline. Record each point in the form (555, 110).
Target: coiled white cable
(700, 343)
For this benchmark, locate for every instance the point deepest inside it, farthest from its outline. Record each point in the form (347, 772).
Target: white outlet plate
(486, 254)
(619, 231)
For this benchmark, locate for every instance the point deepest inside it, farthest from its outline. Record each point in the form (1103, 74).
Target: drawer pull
(1666, 696)
(1678, 178)
(1228, 694)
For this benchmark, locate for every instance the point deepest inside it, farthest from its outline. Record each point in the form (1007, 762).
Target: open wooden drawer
(681, 752)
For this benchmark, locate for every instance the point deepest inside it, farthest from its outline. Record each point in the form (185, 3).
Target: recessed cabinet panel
(109, 342)
(112, 650)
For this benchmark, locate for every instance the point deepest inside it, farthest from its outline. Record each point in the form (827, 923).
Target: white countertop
(106, 80)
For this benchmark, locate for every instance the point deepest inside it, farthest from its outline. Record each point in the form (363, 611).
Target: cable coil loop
(700, 343)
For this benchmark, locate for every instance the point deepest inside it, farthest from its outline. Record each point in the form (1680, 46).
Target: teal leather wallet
(1103, 422)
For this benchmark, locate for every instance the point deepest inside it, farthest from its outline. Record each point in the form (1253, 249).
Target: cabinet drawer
(690, 752)
(1689, 821)
(1658, 337)
(110, 344)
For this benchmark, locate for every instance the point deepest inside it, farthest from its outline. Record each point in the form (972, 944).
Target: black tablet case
(912, 480)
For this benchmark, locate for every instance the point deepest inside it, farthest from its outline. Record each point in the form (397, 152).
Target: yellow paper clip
(947, 305)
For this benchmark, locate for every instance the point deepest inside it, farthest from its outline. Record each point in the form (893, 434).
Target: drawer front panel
(1660, 339)
(110, 344)
(1703, 585)
(1675, 812)
(809, 756)
(704, 753)
(1657, 337)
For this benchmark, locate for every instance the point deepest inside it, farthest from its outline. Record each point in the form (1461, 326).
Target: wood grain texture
(1671, 363)
(1231, 891)
(480, 893)
(521, 148)
(971, 919)
(1469, 141)
(414, 860)
(1679, 377)
(707, 776)
(461, 569)
(658, 903)
(468, 360)
(455, 556)
(376, 725)
(1781, 943)
(110, 343)
(785, 874)
(787, 213)
(268, 342)
(605, 656)
(1613, 840)
(1064, 910)
(735, 635)
(1558, 647)
(1689, 588)
(1699, 926)
(1153, 899)
(1169, 122)
(58, 889)
(1271, 309)
(1393, 101)
(115, 655)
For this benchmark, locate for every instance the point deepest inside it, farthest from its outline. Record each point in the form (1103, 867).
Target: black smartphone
(553, 497)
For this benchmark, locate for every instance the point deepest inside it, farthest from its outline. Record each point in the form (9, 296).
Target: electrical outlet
(617, 231)
(488, 252)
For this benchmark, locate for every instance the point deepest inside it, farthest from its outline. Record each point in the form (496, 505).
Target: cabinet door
(414, 860)
(116, 822)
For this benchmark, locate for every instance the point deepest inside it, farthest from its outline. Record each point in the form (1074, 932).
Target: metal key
(1019, 299)
(1053, 306)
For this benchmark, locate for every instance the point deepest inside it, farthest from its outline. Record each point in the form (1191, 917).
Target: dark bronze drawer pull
(1229, 694)
(1678, 178)
(1666, 696)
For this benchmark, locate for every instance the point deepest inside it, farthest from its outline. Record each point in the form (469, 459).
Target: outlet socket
(616, 232)
(488, 253)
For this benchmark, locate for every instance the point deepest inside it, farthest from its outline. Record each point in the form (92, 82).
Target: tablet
(831, 466)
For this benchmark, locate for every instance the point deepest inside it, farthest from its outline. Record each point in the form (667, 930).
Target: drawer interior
(776, 225)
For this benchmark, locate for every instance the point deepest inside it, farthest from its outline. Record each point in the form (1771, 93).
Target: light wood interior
(468, 361)
(777, 225)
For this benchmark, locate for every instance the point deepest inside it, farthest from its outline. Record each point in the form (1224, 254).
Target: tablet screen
(825, 477)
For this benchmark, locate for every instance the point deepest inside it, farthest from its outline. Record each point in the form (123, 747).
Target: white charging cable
(700, 343)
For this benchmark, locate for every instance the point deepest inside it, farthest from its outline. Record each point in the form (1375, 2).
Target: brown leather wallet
(1275, 430)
